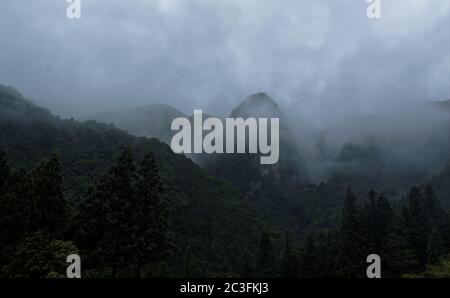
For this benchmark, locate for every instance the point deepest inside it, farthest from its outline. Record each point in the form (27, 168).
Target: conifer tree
(398, 257)
(124, 218)
(352, 248)
(246, 265)
(107, 216)
(266, 265)
(422, 215)
(308, 259)
(289, 262)
(326, 250)
(435, 248)
(151, 224)
(47, 187)
(5, 171)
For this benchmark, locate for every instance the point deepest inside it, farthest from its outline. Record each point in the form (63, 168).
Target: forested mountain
(290, 168)
(374, 151)
(132, 208)
(274, 189)
(209, 219)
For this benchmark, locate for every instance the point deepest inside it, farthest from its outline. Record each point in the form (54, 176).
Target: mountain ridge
(209, 217)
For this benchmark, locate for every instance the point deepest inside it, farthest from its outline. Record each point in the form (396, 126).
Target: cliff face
(273, 186)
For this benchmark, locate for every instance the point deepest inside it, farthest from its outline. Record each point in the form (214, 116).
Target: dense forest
(130, 207)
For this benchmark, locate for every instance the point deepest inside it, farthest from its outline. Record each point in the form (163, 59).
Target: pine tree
(5, 171)
(47, 187)
(326, 251)
(435, 248)
(189, 269)
(151, 224)
(416, 225)
(19, 214)
(289, 262)
(246, 265)
(266, 265)
(370, 222)
(124, 218)
(308, 259)
(352, 248)
(385, 218)
(350, 215)
(398, 257)
(107, 213)
(422, 216)
(436, 217)
(381, 224)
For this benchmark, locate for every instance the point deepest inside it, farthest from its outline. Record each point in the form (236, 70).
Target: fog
(339, 76)
(323, 59)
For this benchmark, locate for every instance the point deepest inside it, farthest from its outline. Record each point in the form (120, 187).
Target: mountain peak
(13, 106)
(11, 91)
(261, 98)
(258, 105)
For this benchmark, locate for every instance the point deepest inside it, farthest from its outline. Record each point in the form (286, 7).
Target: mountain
(155, 121)
(14, 107)
(151, 121)
(209, 218)
(273, 190)
(272, 187)
(216, 222)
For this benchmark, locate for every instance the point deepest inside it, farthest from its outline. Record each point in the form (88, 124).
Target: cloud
(321, 58)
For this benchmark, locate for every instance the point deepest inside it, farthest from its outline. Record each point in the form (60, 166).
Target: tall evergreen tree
(422, 216)
(5, 171)
(416, 224)
(47, 185)
(124, 218)
(246, 265)
(107, 216)
(151, 223)
(370, 222)
(308, 259)
(19, 213)
(435, 248)
(326, 251)
(398, 257)
(353, 242)
(266, 265)
(289, 265)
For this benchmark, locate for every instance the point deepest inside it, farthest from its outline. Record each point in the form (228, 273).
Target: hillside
(207, 216)
(151, 121)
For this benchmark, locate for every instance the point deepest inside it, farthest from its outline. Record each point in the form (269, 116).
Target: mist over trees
(132, 208)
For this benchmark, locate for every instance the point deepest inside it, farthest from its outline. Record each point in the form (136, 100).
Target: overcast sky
(320, 57)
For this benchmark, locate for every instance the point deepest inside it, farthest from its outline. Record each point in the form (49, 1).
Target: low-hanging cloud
(324, 58)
